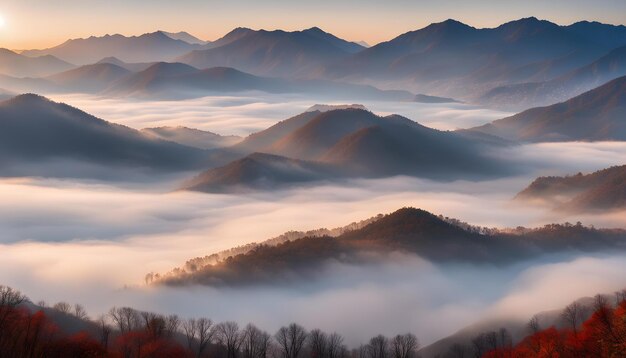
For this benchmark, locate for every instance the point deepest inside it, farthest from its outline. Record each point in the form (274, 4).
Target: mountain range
(456, 60)
(515, 66)
(599, 191)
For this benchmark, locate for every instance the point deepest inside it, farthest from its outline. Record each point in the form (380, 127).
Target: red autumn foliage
(26, 334)
(603, 335)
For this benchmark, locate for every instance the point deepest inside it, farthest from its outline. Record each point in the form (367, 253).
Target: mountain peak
(28, 99)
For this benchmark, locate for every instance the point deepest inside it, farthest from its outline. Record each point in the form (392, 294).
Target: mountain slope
(273, 53)
(408, 230)
(89, 78)
(150, 47)
(601, 190)
(595, 115)
(16, 65)
(36, 130)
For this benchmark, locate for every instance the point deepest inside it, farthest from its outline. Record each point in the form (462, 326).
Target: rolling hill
(596, 115)
(35, 133)
(351, 142)
(602, 190)
(408, 230)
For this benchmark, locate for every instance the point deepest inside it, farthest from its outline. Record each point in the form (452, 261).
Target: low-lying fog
(83, 241)
(243, 115)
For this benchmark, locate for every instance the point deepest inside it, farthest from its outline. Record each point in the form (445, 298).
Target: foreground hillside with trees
(63, 330)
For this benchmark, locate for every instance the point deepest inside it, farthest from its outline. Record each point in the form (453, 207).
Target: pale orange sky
(44, 23)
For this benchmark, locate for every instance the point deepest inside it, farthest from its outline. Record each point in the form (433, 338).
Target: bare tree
(172, 323)
(9, 299)
(105, 331)
(63, 307)
(404, 345)
(154, 324)
(336, 348)
(573, 315)
(42, 304)
(229, 335)
(80, 312)
(125, 318)
(533, 325)
(378, 347)
(190, 329)
(318, 344)
(291, 339)
(255, 342)
(206, 331)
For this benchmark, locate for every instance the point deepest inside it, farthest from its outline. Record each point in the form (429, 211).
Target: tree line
(26, 330)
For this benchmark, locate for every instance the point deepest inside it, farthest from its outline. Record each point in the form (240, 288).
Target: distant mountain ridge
(149, 47)
(273, 53)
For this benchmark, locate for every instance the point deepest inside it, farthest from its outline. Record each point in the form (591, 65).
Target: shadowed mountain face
(407, 230)
(351, 143)
(602, 190)
(455, 60)
(36, 130)
(89, 78)
(16, 65)
(151, 47)
(573, 83)
(274, 53)
(599, 114)
(192, 137)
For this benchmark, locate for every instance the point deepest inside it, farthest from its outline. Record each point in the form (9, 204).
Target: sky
(28, 24)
